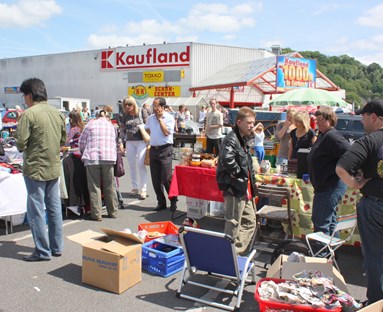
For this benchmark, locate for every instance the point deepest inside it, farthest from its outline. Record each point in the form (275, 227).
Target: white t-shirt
(258, 138)
(214, 118)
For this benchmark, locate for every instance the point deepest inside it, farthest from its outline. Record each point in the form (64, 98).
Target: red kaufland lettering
(152, 57)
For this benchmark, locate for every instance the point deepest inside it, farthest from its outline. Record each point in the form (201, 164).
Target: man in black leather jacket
(235, 177)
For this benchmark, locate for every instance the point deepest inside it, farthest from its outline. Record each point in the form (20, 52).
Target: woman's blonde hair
(129, 100)
(304, 118)
(291, 112)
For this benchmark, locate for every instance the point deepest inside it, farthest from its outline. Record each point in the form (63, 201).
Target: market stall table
(195, 182)
(198, 182)
(13, 196)
(302, 193)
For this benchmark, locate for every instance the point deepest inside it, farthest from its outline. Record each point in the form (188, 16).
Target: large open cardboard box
(112, 261)
(283, 269)
(375, 307)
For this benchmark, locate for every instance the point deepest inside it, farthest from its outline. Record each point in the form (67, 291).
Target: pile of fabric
(308, 288)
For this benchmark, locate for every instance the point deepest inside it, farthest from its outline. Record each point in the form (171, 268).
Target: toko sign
(145, 57)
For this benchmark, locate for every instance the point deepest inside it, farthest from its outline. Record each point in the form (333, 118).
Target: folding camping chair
(330, 242)
(212, 255)
(283, 214)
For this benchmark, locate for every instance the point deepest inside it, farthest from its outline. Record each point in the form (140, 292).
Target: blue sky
(332, 27)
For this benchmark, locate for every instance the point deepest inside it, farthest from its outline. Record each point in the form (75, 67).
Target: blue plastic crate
(162, 259)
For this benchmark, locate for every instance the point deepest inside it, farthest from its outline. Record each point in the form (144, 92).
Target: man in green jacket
(40, 133)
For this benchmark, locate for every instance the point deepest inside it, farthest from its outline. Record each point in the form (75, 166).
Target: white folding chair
(330, 242)
(211, 255)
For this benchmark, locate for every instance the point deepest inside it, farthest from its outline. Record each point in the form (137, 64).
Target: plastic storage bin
(162, 259)
(269, 305)
(165, 227)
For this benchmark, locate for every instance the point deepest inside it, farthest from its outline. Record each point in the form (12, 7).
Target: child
(259, 136)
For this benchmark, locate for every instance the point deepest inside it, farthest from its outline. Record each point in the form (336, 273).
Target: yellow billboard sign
(140, 91)
(153, 76)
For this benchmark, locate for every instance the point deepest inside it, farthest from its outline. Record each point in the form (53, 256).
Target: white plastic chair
(330, 242)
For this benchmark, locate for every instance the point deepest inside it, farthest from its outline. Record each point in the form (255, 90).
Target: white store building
(106, 76)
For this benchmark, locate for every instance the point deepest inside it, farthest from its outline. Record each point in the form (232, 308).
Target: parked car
(350, 126)
(10, 116)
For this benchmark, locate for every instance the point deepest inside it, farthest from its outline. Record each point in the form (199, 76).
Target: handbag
(119, 169)
(147, 156)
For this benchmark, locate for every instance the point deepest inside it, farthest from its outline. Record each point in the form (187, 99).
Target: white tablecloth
(13, 194)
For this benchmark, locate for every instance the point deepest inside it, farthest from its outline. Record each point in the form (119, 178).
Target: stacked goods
(204, 160)
(292, 166)
(185, 156)
(196, 160)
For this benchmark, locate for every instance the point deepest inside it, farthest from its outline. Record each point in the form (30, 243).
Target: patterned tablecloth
(302, 194)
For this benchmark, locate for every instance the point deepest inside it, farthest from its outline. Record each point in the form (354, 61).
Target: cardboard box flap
(131, 237)
(85, 237)
(117, 247)
(375, 307)
(283, 269)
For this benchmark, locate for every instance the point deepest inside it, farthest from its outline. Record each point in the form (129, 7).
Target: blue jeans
(324, 208)
(370, 223)
(44, 195)
(260, 153)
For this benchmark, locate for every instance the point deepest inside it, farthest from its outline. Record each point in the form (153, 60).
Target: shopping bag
(147, 156)
(119, 169)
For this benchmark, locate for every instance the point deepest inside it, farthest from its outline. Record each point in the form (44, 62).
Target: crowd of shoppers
(333, 164)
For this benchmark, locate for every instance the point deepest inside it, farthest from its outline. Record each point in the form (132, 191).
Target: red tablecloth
(195, 182)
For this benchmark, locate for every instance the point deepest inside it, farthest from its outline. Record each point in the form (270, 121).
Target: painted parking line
(30, 235)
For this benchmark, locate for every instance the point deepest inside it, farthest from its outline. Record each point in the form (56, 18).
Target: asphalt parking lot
(56, 285)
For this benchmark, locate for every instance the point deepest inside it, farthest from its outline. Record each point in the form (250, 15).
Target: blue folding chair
(213, 255)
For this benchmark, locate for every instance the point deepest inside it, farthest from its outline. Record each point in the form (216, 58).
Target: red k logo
(105, 55)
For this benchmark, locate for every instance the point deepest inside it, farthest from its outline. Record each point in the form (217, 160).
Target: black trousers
(212, 146)
(161, 171)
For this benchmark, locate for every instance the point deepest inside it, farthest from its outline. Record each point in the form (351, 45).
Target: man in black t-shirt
(362, 168)
(322, 160)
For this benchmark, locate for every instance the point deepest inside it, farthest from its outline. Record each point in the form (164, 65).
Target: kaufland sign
(145, 57)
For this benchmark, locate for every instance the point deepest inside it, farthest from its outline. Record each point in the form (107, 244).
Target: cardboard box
(112, 261)
(196, 208)
(283, 269)
(375, 307)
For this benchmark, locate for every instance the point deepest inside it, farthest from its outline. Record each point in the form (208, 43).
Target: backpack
(287, 247)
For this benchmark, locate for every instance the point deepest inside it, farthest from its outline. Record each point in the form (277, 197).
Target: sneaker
(34, 258)
(133, 193)
(56, 254)
(142, 196)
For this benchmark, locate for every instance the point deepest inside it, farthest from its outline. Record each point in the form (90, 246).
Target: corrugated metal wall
(208, 59)
(78, 74)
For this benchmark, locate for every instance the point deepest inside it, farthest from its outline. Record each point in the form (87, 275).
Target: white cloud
(102, 41)
(212, 17)
(325, 9)
(372, 17)
(25, 13)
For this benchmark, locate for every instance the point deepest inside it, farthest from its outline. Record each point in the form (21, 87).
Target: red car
(10, 116)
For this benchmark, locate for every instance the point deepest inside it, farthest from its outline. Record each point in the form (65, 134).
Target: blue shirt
(156, 135)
